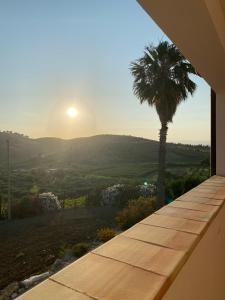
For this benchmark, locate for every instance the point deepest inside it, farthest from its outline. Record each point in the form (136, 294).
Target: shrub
(178, 186)
(127, 193)
(192, 181)
(65, 251)
(135, 211)
(80, 249)
(105, 234)
(175, 188)
(77, 250)
(26, 207)
(94, 197)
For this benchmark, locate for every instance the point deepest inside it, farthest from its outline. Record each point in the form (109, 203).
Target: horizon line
(184, 142)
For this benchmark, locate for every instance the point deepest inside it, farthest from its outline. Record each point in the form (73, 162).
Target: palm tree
(161, 79)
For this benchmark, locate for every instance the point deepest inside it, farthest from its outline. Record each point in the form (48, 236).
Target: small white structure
(49, 202)
(147, 189)
(109, 194)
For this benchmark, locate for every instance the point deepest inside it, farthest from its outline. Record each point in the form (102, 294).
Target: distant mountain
(96, 150)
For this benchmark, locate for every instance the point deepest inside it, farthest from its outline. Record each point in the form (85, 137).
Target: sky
(58, 54)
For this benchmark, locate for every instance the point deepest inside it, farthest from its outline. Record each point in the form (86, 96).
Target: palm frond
(161, 78)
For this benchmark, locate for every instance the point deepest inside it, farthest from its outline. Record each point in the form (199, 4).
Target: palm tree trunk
(161, 196)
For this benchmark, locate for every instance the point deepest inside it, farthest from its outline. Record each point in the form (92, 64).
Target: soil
(29, 246)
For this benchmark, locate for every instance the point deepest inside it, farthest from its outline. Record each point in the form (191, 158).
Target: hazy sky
(60, 53)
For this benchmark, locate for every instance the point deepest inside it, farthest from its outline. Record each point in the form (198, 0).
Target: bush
(127, 193)
(175, 188)
(94, 197)
(77, 250)
(105, 234)
(193, 181)
(178, 186)
(135, 211)
(80, 249)
(26, 207)
(64, 251)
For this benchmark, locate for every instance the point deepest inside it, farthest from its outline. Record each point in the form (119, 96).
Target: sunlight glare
(72, 112)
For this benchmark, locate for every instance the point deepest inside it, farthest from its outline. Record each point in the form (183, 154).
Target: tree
(161, 79)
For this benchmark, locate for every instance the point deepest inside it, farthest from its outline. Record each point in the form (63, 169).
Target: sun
(72, 112)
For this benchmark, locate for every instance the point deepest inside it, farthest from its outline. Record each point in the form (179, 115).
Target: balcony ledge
(145, 261)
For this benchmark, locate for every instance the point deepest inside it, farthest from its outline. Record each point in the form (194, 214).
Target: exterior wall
(220, 134)
(203, 275)
(217, 14)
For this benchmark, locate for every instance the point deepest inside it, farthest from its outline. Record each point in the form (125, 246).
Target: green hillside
(73, 167)
(97, 150)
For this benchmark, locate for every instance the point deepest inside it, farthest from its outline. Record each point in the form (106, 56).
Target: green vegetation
(94, 197)
(177, 186)
(26, 207)
(77, 178)
(161, 78)
(65, 250)
(70, 203)
(80, 249)
(135, 211)
(127, 193)
(76, 250)
(105, 234)
(95, 153)
(83, 167)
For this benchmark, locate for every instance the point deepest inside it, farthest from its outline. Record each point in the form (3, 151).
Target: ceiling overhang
(197, 27)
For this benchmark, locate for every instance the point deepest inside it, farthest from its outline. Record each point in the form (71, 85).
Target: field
(31, 245)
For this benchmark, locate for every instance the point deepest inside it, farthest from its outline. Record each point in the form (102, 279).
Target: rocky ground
(17, 288)
(31, 246)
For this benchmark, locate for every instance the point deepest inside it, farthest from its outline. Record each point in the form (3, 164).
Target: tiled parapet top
(143, 261)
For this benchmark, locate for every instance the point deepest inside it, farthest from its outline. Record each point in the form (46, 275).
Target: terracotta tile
(220, 192)
(170, 238)
(203, 194)
(213, 184)
(176, 223)
(49, 290)
(202, 200)
(147, 256)
(206, 190)
(194, 206)
(214, 181)
(105, 278)
(185, 213)
(218, 195)
(200, 193)
(217, 178)
(210, 192)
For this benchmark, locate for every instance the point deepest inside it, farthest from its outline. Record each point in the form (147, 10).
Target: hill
(96, 150)
(71, 168)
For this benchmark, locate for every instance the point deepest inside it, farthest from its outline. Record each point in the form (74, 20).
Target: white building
(49, 201)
